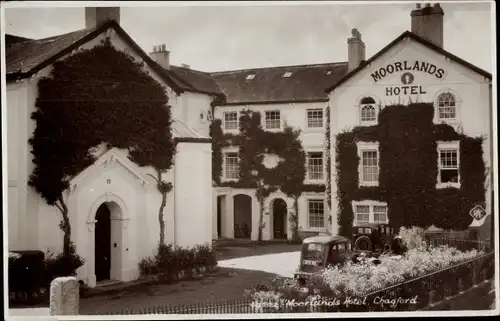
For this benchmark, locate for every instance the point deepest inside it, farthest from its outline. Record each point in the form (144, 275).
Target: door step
(106, 283)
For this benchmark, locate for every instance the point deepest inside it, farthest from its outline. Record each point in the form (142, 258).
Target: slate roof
(305, 84)
(21, 57)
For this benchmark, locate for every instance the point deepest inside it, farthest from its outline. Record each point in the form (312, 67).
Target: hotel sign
(407, 70)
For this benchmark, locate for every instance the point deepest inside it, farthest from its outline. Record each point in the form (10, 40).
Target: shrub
(413, 238)
(62, 265)
(30, 273)
(170, 260)
(26, 270)
(357, 280)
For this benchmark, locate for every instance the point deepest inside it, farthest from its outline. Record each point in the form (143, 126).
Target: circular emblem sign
(407, 78)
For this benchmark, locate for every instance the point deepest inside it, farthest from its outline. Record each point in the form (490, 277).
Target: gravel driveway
(283, 264)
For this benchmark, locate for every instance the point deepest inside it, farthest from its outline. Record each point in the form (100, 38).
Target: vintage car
(375, 239)
(372, 238)
(320, 251)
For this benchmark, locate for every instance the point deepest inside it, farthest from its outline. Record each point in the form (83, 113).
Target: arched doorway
(242, 216)
(103, 243)
(279, 219)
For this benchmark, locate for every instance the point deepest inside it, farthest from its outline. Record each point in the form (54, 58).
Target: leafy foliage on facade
(408, 162)
(96, 96)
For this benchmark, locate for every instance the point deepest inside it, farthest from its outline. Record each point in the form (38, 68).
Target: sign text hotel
(406, 68)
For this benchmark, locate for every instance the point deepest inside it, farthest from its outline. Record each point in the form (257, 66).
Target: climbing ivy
(253, 143)
(328, 160)
(408, 165)
(97, 96)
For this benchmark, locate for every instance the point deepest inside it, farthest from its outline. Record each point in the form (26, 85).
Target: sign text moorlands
(407, 77)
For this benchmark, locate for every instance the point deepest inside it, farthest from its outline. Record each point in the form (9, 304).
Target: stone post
(64, 296)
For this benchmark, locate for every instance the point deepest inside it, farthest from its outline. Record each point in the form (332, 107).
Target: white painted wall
(193, 194)
(471, 89)
(228, 213)
(313, 139)
(131, 193)
(193, 109)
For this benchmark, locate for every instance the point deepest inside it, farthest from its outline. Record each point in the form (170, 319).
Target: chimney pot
(418, 6)
(163, 47)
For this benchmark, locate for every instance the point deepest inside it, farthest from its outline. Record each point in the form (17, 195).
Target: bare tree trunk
(163, 192)
(65, 225)
(261, 219)
(261, 211)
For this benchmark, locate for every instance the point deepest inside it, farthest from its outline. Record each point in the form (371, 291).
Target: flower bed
(357, 280)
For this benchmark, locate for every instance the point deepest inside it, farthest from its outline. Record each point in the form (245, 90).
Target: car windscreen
(314, 251)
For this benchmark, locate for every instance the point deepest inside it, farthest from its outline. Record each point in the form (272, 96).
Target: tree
(98, 95)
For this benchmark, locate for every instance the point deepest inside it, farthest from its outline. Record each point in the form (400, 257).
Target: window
(315, 118)
(287, 74)
(231, 120)
(315, 166)
(446, 107)
(362, 214)
(273, 119)
(340, 248)
(368, 163)
(379, 214)
(368, 114)
(368, 111)
(250, 77)
(370, 212)
(231, 166)
(316, 213)
(369, 172)
(448, 164)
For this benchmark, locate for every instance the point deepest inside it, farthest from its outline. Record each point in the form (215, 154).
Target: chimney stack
(356, 50)
(427, 22)
(95, 16)
(161, 56)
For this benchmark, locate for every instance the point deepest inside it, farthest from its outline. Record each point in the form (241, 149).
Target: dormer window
(368, 111)
(287, 74)
(250, 77)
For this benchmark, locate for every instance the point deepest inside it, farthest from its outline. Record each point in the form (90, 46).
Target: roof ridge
(333, 64)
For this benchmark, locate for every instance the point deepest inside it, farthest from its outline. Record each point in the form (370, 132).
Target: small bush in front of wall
(408, 164)
(26, 270)
(30, 273)
(172, 263)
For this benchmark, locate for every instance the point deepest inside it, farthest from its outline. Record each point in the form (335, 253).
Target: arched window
(368, 111)
(447, 108)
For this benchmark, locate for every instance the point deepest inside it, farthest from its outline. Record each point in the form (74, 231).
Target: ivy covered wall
(408, 166)
(253, 140)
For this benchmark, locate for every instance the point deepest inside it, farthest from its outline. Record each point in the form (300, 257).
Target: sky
(217, 37)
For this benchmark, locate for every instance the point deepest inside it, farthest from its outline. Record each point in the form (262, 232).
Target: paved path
(283, 264)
